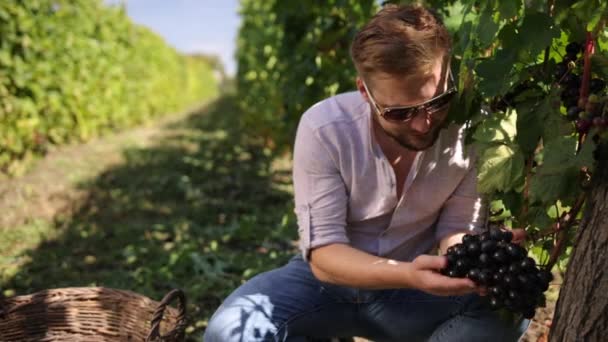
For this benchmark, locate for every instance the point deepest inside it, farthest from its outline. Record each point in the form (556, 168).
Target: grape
(496, 291)
(485, 277)
(495, 303)
(560, 69)
(492, 260)
(573, 113)
(497, 278)
(462, 264)
(599, 122)
(500, 256)
(495, 234)
(573, 48)
(583, 125)
(515, 268)
(485, 259)
(523, 281)
(570, 92)
(570, 102)
(585, 115)
(484, 236)
(474, 274)
(528, 264)
(488, 246)
(593, 98)
(514, 251)
(468, 238)
(545, 276)
(507, 236)
(570, 58)
(572, 81)
(596, 85)
(460, 251)
(473, 248)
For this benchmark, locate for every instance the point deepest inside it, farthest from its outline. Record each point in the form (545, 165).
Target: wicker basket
(91, 314)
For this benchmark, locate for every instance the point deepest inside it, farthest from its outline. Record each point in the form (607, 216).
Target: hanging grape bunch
(585, 114)
(491, 260)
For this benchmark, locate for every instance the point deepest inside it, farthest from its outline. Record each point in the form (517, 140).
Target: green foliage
(73, 69)
(291, 55)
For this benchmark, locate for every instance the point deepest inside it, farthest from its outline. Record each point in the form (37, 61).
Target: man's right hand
(424, 275)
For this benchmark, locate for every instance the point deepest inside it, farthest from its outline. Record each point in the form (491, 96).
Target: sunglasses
(406, 113)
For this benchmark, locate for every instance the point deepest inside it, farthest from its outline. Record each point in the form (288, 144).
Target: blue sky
(208, 26)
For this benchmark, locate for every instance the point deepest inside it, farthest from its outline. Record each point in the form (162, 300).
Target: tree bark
(581, 313)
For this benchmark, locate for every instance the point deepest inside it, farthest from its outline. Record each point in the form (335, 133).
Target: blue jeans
(290, 304)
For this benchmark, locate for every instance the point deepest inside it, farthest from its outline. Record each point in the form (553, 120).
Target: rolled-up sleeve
(464, 211)
(320, 192)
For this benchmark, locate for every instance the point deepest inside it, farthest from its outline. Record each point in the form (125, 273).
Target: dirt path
(54, 183)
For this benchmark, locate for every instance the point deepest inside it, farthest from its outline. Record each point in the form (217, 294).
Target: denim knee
(246, 318)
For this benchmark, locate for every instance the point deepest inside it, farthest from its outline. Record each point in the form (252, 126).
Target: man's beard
(416, 143)
(411, 142)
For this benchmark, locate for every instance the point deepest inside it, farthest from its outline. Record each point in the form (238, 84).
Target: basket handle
(177, 333)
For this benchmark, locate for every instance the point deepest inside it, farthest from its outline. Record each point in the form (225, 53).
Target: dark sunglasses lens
(398, 114)
(441, 102)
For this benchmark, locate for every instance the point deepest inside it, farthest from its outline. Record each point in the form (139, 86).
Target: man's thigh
(412, 315)
(282, 304)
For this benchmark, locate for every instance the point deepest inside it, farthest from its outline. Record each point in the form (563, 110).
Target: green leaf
(500, 168)
(536, 33)
(495, 72)
(598, 14)
(529, 125)
(497, 128)
(584, 158)
(558, 176)
(558, 154)
(487, 28)
(600, 64)
(538, 217)
(508, 35)
(548, 188)
(509, 9)
(584, 10)
(554, 125)
(512, 200)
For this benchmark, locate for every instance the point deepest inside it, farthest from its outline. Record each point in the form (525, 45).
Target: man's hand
(424, 275)
(519, 236)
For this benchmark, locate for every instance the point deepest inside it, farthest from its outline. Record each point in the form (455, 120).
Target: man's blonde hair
(401, 41)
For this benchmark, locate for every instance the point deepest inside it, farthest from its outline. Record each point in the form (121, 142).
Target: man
(381, 180)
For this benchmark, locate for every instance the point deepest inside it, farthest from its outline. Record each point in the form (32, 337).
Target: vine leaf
(501, 168)
(544, 32)
(487, 28)
(498, 128)
(558, 176)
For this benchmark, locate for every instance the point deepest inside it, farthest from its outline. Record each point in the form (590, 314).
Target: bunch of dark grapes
(511, 277)
(585, 115)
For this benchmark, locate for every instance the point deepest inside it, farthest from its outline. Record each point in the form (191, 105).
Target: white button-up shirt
(345, 188)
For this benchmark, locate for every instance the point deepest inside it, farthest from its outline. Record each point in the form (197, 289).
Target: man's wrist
(408, 278)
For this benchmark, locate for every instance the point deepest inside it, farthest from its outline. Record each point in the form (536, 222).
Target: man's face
(421, 131)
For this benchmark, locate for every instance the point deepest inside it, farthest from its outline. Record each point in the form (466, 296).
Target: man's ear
(361, 88)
